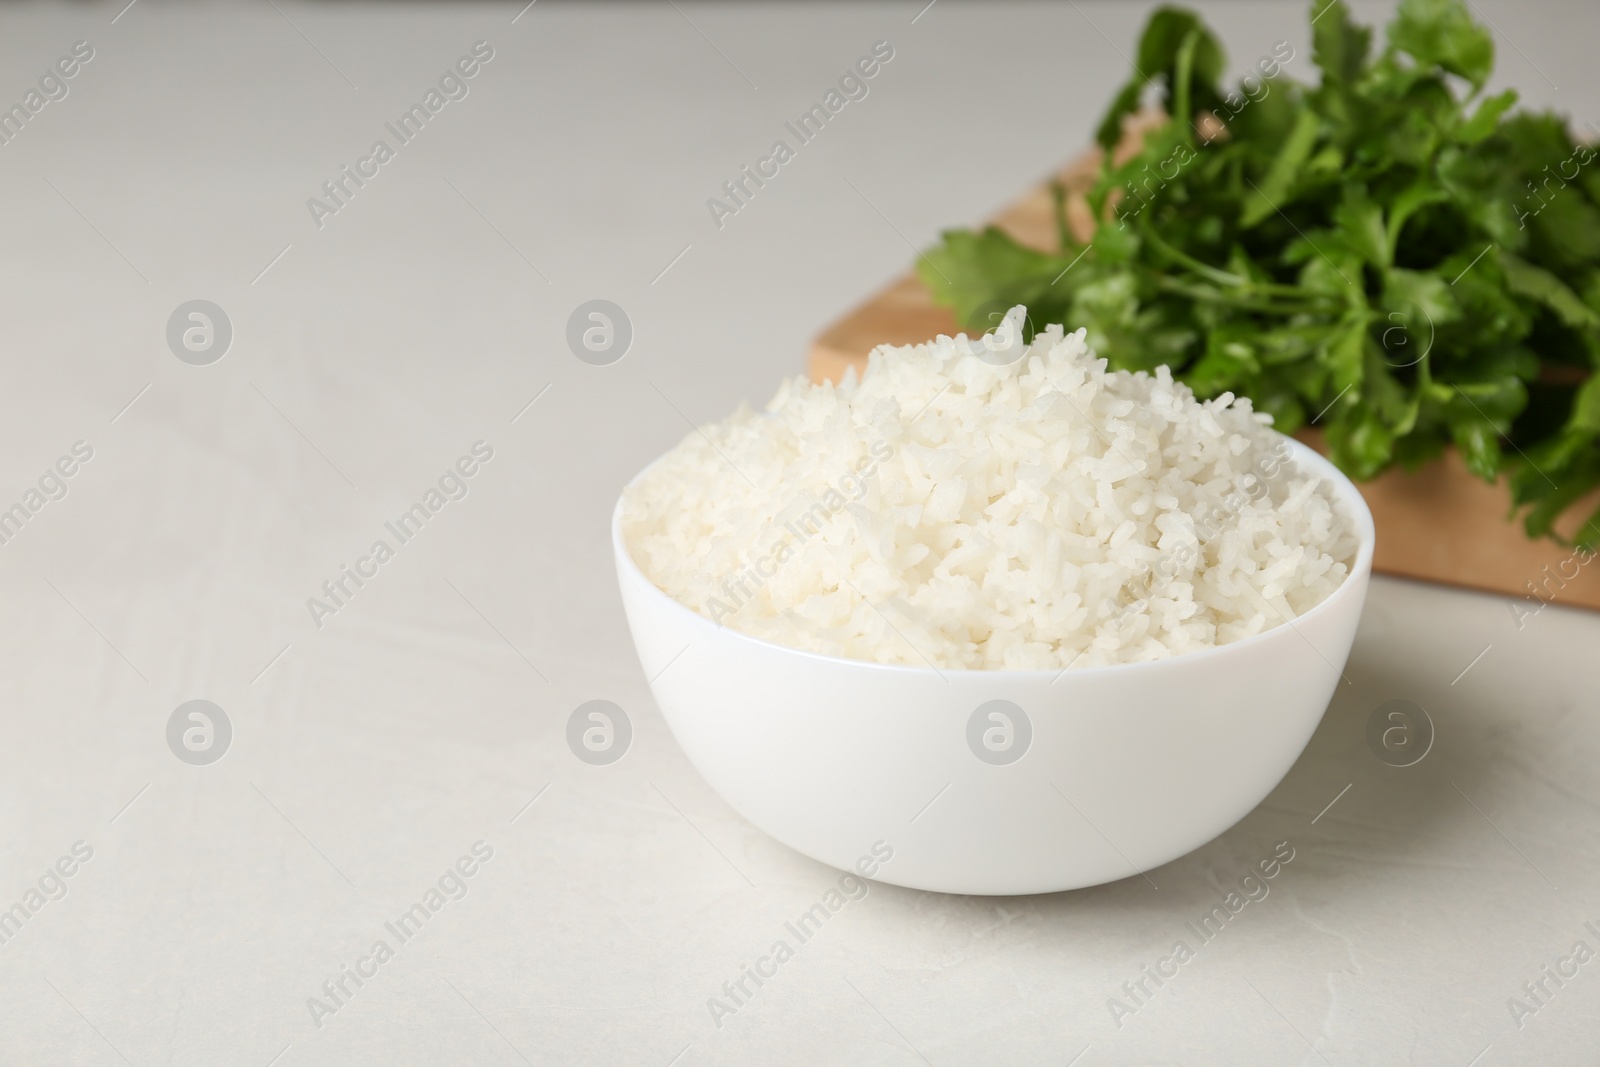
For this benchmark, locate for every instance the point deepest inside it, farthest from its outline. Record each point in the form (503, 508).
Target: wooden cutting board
(1440, 524)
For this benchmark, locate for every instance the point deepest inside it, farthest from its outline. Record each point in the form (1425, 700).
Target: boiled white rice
(947, 510)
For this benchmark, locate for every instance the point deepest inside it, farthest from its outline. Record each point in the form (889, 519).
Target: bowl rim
(1304, 456)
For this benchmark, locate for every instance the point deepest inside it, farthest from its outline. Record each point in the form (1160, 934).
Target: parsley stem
(1058, 197)
(1264, 304)
(1223, 277)
(1183, 259)
(1182, 75)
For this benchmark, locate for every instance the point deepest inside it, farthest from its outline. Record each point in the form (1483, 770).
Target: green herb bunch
(1390, 254)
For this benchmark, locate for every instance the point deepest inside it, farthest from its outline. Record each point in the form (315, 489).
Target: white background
(421, 718)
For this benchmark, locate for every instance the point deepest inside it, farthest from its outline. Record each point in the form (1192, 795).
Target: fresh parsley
(1391, 254)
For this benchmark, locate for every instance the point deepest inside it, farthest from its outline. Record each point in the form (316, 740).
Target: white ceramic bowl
(1128, 767)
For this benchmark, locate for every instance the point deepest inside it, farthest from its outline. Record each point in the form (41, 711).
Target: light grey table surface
(370, 752)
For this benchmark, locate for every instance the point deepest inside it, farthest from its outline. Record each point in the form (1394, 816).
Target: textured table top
(405, 743)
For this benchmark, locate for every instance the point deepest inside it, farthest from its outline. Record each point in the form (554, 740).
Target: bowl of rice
(1023, 622)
